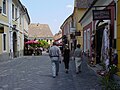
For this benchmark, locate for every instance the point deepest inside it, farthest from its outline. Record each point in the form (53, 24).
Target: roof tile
(83, 3)
(39, 30)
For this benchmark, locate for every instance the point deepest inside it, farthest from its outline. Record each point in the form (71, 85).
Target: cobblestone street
(34, 73)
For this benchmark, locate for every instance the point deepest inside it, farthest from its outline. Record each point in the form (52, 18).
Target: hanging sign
(102, 14)
(78, 33)
(72, 36)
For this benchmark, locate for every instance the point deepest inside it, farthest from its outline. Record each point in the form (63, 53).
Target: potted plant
(107, 80)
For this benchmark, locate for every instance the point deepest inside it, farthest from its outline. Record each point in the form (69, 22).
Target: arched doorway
(14, 44)
(100, 27)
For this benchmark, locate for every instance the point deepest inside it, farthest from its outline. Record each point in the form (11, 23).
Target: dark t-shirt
(66, 54)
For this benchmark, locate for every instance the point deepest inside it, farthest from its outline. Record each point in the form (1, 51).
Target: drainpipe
(115, 24)
(115, 54)
(10, 29)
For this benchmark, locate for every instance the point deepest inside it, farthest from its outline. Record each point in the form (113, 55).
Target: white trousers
(78, 64)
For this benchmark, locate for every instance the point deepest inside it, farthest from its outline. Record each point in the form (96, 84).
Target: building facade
(12, 28)
(80, 7)
(58, 37)
(67, 29)
(71, 27)
(99, 31)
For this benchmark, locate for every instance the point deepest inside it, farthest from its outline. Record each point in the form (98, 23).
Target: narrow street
(34, 73)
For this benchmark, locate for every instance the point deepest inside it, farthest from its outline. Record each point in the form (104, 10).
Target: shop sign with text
(102, 14)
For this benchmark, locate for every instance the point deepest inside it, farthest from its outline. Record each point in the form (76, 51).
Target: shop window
(88, 39)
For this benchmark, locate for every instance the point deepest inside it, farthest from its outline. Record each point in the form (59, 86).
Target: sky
(51, 12)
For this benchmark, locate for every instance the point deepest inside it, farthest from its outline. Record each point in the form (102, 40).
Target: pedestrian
(55, 56)
(77, 58)
(66, 57)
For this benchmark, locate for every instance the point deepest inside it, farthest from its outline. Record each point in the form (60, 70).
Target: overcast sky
(51, 12)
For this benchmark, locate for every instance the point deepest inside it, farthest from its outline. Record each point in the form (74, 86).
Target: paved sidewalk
(97, 67)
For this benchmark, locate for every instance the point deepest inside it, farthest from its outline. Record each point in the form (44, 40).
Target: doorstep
(97, 67)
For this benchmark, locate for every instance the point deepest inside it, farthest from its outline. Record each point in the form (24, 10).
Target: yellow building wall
(3, 17)
(7, 40)
(118, 34)
(77, 15)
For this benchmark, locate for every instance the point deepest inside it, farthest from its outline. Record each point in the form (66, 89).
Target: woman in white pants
(77, 57)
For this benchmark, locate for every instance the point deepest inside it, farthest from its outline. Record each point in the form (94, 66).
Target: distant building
(40, 32)
(58, 37)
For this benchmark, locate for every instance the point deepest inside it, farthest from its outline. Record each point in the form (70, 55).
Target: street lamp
(0, 9)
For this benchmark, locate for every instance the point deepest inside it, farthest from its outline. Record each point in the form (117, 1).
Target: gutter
(25, 10)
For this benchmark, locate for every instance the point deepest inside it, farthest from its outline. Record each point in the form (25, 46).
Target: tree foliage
(43, 43)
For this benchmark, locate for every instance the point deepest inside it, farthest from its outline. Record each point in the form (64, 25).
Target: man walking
(55, 56)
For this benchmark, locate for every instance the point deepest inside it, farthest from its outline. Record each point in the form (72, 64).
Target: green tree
(43, 43)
